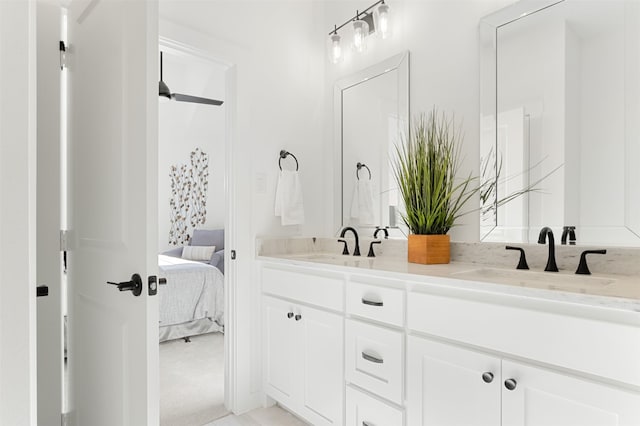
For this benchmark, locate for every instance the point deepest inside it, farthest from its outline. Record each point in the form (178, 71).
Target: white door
(538, 397)
(113, 95)
(49, 265)
(448, 385)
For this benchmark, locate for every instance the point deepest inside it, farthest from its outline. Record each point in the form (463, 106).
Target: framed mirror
(371, 111)
(560, 105)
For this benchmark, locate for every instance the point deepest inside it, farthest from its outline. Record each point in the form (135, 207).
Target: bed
(192, 301)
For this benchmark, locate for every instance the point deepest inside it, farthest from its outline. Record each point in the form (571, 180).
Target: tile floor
(271, 416)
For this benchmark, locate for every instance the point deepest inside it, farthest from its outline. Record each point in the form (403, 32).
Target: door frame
(230, 341)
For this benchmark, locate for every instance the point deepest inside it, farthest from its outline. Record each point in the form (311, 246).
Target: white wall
(442, 36)
(185, 127)
(282, 93)
(275, 50)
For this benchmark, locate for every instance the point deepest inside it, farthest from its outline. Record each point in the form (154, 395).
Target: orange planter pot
(429, 249)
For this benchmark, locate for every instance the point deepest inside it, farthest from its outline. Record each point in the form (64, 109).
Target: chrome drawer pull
(371, 302)
(372, 358)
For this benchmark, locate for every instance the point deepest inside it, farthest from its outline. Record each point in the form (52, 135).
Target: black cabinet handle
(367, 423)
(487, 377)
(42, 290)
(289, 315)
(371, 302)
(510, 384)
(298, 317)
(372, 358)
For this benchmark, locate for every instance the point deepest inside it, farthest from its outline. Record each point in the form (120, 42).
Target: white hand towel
(288, 203)
(362, 204)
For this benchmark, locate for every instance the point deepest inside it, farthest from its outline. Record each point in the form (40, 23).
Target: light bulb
(335, 49)
(360, 32)
(382, 21)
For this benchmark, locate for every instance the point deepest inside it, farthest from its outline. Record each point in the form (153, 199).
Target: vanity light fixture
(374, 19)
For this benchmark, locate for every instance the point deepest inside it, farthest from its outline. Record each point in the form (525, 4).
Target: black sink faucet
(542, 239)
(384, 230)
(356, 251)
(569, 231)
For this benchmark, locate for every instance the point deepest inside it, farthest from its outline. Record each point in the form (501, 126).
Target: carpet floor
(192, 381)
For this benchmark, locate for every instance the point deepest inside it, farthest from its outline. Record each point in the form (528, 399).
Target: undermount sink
(534, 279)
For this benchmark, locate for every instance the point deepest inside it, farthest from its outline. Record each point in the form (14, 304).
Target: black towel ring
(283, 154)
(358, 167)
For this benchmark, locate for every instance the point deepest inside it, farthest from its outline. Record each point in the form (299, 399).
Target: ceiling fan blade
(195, 99)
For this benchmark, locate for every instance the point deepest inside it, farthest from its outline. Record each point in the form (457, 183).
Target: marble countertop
(621, 292)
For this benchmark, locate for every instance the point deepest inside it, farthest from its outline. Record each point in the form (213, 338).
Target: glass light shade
(360, 33)
(335, 49)
(382, 20)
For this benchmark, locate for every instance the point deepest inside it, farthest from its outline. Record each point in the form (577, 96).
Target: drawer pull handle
(487, 377)
(298, 317)
(367, 423)
(371, 302)
(510, 384)
(289, 315)
(372, 358)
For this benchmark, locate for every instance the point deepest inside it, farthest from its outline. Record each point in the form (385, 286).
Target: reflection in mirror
(371, 113)
(560, 96)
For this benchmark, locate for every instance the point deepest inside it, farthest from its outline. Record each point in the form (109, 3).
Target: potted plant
(426, 168)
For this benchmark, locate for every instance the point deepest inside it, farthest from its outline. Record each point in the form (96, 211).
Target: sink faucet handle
(371, 253)
(569, 231)
(583, 268)
(522, 264)
(345, 250)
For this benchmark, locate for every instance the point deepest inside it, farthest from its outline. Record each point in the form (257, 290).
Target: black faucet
(356, 251)
(385, 230)
(542, 239)
(568, 231)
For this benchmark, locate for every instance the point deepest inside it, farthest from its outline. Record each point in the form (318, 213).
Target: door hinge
(63, 55)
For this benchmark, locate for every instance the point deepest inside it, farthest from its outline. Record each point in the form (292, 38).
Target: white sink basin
(552, 280)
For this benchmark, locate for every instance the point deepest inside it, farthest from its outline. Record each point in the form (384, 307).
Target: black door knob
(289, 315)
(135, 285)
(510, 384)
(487, 377)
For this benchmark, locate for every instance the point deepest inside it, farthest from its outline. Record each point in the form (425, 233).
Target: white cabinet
(451, 385)
(546, 398)
(303, 353)
(366, 410)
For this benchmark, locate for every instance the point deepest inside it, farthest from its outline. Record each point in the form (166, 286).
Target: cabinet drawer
(305, 285)
(374, 359)
(593, 346)
(365, 410)
(382, 304)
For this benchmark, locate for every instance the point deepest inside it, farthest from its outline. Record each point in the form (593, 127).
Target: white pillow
(198, 252)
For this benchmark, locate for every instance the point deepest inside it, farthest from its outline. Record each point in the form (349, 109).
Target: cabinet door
(545, 398)
(446, 387)
(280, 349)
(321, 341)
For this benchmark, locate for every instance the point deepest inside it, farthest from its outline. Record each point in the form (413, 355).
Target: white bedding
(194, 295)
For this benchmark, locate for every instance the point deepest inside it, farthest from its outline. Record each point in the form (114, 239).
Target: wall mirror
(371, 113)
(560, 101)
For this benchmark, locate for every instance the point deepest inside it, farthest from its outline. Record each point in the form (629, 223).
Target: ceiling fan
(165, 92)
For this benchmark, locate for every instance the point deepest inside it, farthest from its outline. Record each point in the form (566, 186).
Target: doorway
(192, 220)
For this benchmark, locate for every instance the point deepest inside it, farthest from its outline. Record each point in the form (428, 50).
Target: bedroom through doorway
(191, 238)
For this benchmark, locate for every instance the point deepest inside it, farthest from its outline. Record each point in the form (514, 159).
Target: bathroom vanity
(379, 341)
